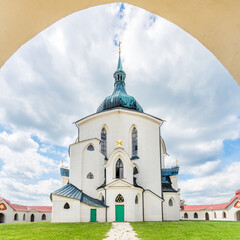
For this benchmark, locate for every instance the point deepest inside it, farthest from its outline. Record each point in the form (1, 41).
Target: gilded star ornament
(2, 206)
(119, 143)
(237, 205)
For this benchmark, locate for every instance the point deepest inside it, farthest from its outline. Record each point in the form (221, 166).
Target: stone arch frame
(116, 154)
(138, 197)
(43, 217)
(2, 218)
(90, 143)
(119, 159)
(171, 200)
(107, 137)
(66, 206)
(237, 215)
(119, 194)
(195, 215)
(185, 215)
(32, 218)
(15, 217)
(101, 197)
(130, 139)
(227, 50)
(136, 166)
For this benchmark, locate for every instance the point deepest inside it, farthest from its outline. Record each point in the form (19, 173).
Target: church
(117, 170)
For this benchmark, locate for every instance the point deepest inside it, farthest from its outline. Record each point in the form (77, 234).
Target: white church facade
(117, 168)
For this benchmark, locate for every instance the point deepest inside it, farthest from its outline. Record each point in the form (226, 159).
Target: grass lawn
(211, 230)
(52, 231)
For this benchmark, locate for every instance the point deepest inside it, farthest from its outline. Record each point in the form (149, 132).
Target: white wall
(171, 213)
(118, 124)
(152, 207)
(59, 214)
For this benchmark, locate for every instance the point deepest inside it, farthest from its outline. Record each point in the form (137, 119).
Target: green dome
(119, 97)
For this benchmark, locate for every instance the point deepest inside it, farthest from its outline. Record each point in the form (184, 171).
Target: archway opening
(238, 216)
(32, 218)
(206, 216)
(2, 218)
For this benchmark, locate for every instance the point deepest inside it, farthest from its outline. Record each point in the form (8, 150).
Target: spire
(119, 58)
(119, 75)
(119, 97)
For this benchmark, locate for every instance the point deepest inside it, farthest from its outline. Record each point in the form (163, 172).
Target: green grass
(210, 230)
(52, 231)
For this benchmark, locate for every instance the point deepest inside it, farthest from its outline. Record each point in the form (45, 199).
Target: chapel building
(117, 164)
(229, 211)
(14, 213)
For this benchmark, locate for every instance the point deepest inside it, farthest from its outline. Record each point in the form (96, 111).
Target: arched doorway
(32, 218)
(206, 216)
(119, 208)
(2, 218)
(238, 216)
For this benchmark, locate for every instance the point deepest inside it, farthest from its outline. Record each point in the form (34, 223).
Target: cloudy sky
(65, 72)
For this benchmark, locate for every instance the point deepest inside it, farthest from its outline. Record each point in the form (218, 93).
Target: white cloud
(215, 188)
(20, 157)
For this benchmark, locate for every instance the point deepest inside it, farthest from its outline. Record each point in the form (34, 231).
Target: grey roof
(167, 187)
(71, 191)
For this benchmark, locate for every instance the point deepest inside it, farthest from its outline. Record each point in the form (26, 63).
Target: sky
(64, 73)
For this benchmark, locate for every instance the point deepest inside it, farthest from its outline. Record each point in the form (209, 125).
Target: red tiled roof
(211, 206)
(18, 207)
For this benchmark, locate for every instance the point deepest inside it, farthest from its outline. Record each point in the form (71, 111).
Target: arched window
(90, 147)
(185, 215)
(206, 216)
(32, 218)
(136, 199)
(24, 217)
(43, 217)
(195, 215)
(224, 215)
(104, 142)
(134, 143)
(119, 199)
(66, 206)
(135, 171)
(90, 176)
(16, 217)
(170, 202)
(119, 169)
(215, 215)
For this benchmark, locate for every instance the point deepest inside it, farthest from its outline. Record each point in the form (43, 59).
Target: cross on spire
(119, 46)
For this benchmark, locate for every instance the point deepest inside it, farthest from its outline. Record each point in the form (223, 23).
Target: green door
(119, 213)
(93, 215)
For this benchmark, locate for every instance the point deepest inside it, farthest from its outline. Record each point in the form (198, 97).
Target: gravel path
(121, 231)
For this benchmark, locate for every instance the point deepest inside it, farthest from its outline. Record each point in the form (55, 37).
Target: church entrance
(238, 215)
(93, 215)
(2, 220)
(206, 216)
(119, 211)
